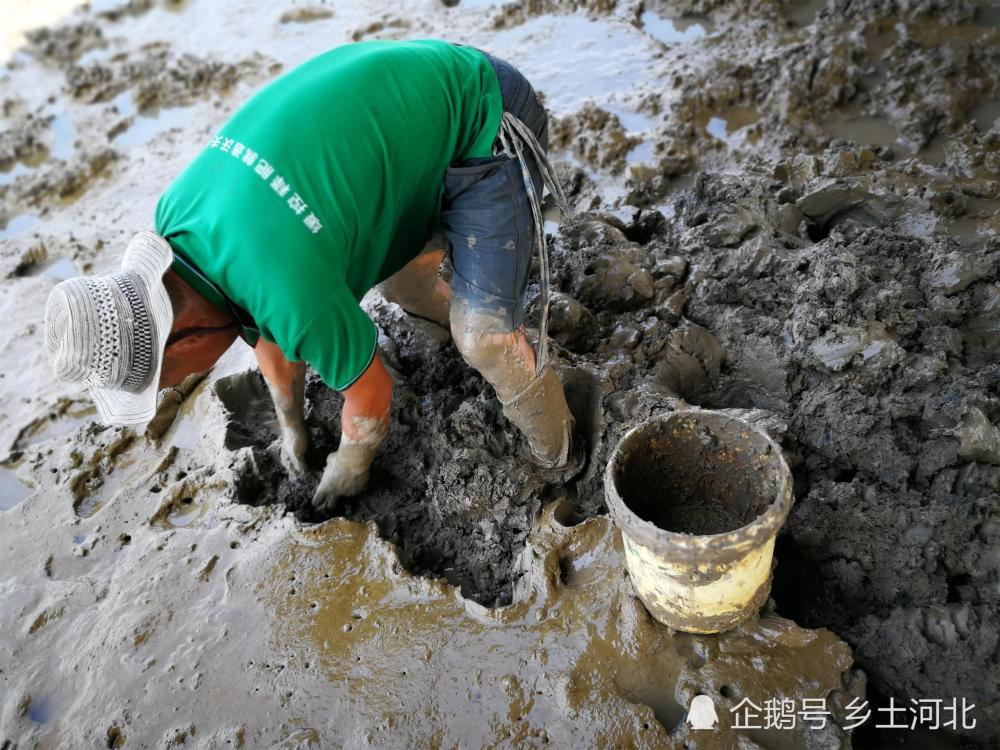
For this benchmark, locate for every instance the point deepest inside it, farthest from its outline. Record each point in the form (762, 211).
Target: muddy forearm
(286, 383)
(365, 419)
(289, 400)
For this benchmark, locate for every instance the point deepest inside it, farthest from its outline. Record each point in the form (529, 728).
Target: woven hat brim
(148, 256)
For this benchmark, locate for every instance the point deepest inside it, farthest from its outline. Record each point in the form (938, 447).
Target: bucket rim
(754, 533)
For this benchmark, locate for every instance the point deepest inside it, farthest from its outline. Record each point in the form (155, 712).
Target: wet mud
(789, 210)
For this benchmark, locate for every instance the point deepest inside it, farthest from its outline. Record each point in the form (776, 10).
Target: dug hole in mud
(788, 213)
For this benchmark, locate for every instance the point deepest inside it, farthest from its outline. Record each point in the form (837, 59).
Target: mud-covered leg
(535, 403)
(286, 382)
(419, 289)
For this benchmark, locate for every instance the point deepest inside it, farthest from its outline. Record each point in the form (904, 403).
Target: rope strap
(513, 135)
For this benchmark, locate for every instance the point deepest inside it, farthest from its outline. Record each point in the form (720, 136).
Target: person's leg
(419, 289)
(488, 220)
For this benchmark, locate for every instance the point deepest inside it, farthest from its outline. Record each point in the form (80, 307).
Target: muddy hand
(346, 474)
(294, 444)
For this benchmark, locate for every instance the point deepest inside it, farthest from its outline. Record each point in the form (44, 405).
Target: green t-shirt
(328, 181)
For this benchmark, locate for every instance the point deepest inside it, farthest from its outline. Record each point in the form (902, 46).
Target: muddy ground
(787, 209)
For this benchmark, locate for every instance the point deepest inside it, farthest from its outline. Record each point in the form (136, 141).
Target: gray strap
(513, 134)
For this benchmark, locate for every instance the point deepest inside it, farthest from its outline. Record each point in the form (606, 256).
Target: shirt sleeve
(339, 341)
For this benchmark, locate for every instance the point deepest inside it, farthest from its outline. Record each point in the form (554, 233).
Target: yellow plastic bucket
(699, 497)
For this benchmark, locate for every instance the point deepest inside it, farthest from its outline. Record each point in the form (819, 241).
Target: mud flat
(789, 210)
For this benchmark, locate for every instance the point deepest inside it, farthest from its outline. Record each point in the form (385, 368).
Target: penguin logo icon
(701, 714)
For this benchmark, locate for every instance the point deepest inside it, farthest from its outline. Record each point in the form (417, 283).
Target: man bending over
(327, 182)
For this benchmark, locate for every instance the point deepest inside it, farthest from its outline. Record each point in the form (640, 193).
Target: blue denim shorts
(487, 219)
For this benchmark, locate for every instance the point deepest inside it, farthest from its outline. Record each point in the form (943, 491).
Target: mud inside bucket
(693, 476)
(699, 497)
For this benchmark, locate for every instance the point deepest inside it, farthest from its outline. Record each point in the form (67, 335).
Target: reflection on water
(868, 130)
(144, 127)
(631, 121)
(641, 154)
(56, 267)
(63, 135)
(804, 13)
(40, 709)
(985, 113)
(987, 14)
(12, 489)
(729, 125)
(68, 416)
(675, 30)
(62, 269)
(19, 225)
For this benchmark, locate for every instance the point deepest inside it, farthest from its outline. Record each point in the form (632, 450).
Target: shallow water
(19, 225)
(675, 30)
(143, 127)
(12, 489)
(730, 125)
(985, 114)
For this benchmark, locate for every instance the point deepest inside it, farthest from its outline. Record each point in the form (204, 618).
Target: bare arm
(286, 382)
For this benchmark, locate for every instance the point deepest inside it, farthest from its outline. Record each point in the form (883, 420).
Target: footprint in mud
(65, 418)
(190, 495)
(110, 470)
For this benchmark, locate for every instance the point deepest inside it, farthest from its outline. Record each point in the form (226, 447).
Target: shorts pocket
(487, 219)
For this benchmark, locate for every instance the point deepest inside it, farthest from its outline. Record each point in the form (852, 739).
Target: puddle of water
(63, 135)
(729, 125)
(933, 152)
(65, 420)
(583, 47)
(95, 55)
(930, 32)
(804, 13)
(185, 514)
(632, 122)
(23, 166)
(675, 30)
(62, 269)
(985, 113)
(144, 127)
(641, 155)
(880, 35)
(57, 268)
(871, 130)
(9, 175)
(40, 709)
(987, 15)
(12, 489)
(981, 222)
(19, 225)
(104, 6)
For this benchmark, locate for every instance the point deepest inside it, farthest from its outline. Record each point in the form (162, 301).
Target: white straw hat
(109, 331)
